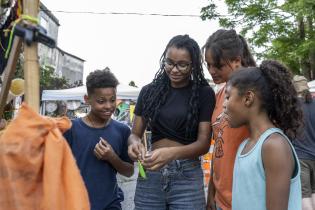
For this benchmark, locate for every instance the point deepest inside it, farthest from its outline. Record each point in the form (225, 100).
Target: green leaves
(48, 79)
(282, 30)
(141, 170)
(209, 12)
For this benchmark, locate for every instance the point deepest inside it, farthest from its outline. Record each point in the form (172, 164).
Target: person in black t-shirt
(177, 105)
(304, 143)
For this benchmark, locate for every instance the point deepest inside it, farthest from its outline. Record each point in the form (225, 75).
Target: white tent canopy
(311, 85)
(77, 93)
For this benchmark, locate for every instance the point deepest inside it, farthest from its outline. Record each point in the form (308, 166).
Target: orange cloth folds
(37, 169)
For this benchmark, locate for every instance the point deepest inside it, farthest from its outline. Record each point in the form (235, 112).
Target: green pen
(141, 170)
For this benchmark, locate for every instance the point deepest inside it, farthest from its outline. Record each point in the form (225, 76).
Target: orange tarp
(37, 169)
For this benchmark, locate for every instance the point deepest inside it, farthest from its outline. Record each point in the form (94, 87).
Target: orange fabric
(206, 165)
(227, 141)
(37, 169)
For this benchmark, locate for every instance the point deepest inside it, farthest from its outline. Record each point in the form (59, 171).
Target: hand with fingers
(136, 151)
(103, 150)
(158, 158)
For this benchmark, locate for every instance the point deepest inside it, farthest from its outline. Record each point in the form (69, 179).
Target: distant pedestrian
(304, 144)
(61, 109)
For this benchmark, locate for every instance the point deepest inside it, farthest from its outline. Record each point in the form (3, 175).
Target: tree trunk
(301, 28)
(312, 48)
(304, 61)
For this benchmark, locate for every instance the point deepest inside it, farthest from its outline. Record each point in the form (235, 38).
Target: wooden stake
(145, 141)
(31, 66)
(9, 71)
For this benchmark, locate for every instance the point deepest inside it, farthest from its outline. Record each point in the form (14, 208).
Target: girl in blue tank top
(266, 171)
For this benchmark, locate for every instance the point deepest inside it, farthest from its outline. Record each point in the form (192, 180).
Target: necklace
(92, 124)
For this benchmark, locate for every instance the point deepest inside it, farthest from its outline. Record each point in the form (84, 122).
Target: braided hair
(273, 84)
(227, 45)
(157, 92)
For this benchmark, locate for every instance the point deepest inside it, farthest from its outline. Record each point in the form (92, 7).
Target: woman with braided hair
(225, 52)
(266, 171)
(177, 105)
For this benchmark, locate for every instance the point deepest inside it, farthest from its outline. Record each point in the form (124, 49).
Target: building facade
(65, 64)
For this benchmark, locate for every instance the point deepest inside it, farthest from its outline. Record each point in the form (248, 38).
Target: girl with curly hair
(266, 171)
(177, 105)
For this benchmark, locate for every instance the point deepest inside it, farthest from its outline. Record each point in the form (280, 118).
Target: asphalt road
(128, 186)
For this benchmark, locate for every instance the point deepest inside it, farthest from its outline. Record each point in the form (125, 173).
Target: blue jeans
(177, 186)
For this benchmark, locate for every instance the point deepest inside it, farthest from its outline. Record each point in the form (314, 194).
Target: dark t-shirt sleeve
(124, 153)
(207, 104)
(139, 104)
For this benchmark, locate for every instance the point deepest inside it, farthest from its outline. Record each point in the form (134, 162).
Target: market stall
(311, 85)
(77, 93)
(73, 99)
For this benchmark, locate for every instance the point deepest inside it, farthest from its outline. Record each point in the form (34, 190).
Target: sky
(130, 45)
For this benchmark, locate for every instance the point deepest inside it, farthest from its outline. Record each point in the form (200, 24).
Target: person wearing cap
(304, 143)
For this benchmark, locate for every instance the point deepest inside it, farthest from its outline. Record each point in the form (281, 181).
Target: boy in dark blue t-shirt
(99, 143)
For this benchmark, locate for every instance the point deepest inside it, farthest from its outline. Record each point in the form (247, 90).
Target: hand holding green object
(141, 170)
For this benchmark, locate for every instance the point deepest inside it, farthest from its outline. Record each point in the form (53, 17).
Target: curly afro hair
(100, 79)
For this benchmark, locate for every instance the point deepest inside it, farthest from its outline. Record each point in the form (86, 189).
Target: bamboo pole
(9, 71)
(31, 66)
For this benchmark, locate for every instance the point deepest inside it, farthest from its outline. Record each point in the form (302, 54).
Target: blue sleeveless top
(249, 184)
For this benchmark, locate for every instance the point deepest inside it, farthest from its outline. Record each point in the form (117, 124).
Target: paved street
(128, 186)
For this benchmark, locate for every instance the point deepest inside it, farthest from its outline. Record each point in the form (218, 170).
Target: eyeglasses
(181, 66)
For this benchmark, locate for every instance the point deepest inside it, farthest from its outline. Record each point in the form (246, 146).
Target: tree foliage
(48, 79)
(278, 29)
(132, 84)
